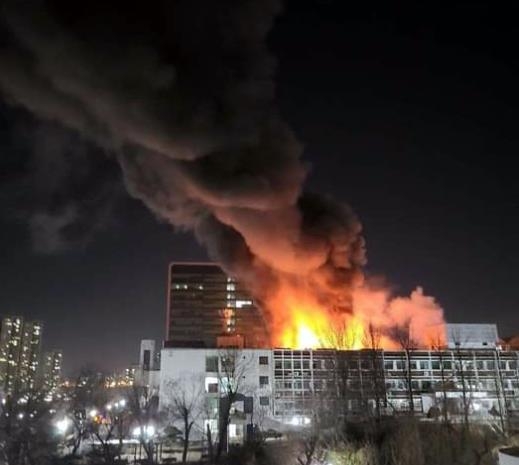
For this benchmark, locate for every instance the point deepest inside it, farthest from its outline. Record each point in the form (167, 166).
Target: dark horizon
(408, 115)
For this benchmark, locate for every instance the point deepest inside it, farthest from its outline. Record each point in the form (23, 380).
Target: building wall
(204, 303)
(294, 384)
(472, 336)
(200, 375)
(20, 350)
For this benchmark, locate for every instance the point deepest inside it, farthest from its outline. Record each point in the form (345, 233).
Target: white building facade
(280, 389)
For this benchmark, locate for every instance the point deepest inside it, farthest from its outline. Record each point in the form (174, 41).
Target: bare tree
(437, 345)
(234, 365)
(402, 335)
(87, 393)
(461, 373)
(340, 335)
(143, 405)
(26, 428)
(109, 429)
(310, 444)
(371, 340)
(186, 406)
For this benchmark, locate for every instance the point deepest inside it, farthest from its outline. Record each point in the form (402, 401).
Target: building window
(263, 381)
(211, 363)
(424, 365)
(146, 360)
(212, 388)
(388, 364)
(264, 401)
(263, 360)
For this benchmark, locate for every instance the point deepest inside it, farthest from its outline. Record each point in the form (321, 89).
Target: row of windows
(448, 364)
(211, 383)
(211, 362)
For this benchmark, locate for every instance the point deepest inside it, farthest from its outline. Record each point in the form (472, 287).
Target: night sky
(408, 114)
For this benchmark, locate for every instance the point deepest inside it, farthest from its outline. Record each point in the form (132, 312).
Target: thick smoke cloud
(183, 93)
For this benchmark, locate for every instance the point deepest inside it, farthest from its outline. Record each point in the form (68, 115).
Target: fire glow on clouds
(182, 96)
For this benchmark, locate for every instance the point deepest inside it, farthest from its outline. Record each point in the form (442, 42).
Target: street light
(148, 431)
(62, 425)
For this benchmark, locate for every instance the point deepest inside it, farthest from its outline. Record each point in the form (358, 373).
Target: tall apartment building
(205, 306)
(20, 346)
(51, 371)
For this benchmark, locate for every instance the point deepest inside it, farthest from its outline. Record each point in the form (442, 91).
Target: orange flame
(300, 322)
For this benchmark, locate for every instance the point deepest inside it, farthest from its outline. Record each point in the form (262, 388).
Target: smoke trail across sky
(181, 94)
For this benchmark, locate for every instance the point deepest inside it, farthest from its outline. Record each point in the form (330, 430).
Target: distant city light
(92, 413)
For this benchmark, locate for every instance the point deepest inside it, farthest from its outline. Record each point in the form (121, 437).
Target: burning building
(193, 125)
(208, 308)
(282, 389)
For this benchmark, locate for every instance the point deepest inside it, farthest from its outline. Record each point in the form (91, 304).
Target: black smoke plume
(182, 93)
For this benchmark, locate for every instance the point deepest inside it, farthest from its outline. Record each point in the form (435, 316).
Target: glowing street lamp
(147, 431)
(62, 425)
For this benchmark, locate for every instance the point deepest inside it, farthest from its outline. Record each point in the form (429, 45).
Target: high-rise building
(51, 371)
(206, 307)
(20, 345)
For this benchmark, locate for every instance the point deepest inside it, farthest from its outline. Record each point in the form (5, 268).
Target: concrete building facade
(283, 388)
(204, 304)
(20, 350)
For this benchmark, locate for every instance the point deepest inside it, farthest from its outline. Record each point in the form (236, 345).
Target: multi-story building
(284, 388)
(204, 304)
(147, 372)
(51, 372)
(20, 345)
(201, 378)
